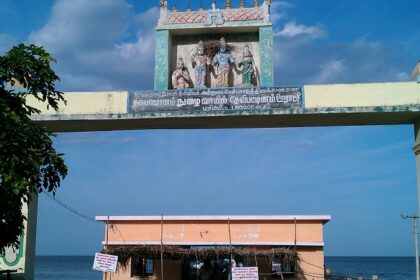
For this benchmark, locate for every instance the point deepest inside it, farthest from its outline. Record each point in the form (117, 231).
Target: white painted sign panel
(244, 273)
(105, 263)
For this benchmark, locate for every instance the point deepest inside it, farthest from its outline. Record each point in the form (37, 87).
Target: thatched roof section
(124, 253)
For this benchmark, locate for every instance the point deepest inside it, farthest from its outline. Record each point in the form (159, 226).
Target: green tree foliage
(28, 162)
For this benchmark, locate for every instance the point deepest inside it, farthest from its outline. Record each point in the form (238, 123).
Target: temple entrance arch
(357, 111)
(234, 101)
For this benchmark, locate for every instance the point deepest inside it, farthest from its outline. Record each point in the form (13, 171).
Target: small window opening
(142, 267)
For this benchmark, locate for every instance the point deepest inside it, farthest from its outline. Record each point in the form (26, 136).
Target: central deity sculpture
(199, 63)
(223, 60)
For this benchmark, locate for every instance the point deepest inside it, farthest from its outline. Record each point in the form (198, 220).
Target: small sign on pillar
(105, 263)
(244, 273)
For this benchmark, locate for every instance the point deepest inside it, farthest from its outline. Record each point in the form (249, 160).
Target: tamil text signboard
(105, 263)
(244, 273)
(215, 100)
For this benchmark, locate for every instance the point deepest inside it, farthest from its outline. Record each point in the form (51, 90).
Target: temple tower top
(194, 37)
(256, 15)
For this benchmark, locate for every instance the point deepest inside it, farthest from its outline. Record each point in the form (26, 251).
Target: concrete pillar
(162, 60)
(23, 259)
(31, 237)
(266, 56)
(416, 150)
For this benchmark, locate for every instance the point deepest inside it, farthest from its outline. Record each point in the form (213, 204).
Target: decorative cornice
(209, 17)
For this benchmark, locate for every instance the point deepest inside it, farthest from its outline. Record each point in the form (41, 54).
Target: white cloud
(104, 45)
(403, 76)
(291, 29)
(6, 42)
(83, 24)
(307, 60)
(278, 10)
(330, 70)
(148, 18)
(94, 48)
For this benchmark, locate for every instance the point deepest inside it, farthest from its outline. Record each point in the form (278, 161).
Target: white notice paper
(105, 263)
(244, 273)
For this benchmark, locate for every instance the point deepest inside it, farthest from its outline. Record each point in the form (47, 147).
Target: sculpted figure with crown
(200, 64)
(223, 60)
(248, 68)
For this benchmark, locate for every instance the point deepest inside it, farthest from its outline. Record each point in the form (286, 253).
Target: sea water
(74, 268)
(387, 268)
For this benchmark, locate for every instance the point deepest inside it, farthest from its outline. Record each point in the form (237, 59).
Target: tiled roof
(243, 14)
(187, 17)
(249, 14)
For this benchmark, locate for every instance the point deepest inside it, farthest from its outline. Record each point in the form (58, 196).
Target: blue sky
(363, 176)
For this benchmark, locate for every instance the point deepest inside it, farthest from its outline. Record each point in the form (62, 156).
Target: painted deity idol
(199, 63)
(181, 77)
(248, 67)
(223, 60)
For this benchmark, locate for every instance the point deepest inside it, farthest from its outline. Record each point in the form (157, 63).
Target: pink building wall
(256, 231)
